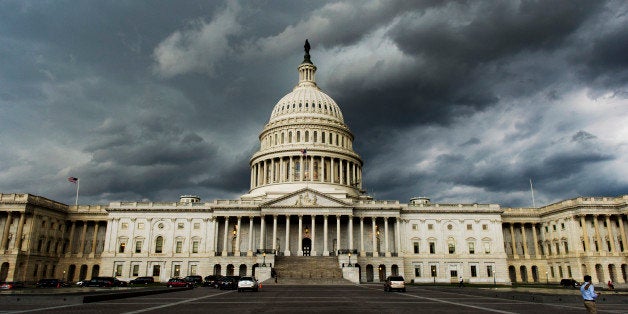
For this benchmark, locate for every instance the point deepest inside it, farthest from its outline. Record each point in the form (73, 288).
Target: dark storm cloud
(455, 100)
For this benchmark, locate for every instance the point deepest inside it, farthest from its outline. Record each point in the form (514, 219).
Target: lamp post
(63, 275)
(264, 262)
(349, 259)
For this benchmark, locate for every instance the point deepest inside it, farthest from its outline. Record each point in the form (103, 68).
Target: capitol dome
(305, 144)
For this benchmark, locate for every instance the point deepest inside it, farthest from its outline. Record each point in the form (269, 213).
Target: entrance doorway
(306, 243)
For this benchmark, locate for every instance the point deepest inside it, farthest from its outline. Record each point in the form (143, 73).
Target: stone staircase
(308, 270)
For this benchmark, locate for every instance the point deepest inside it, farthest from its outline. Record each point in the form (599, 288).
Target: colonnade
(306, 168)
(383, 243)
(7, 236)
(84, 245)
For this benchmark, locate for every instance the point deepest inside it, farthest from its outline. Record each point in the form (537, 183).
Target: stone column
(214, 248)
(598, 238)
(386, 237)
(287, 251)
(337, 233)
(82, 243)
(513, 243)
(375, 252)
(321, 169)
(272, 170)
(611, 237)
(95, 239)
(5, 232)
(291, 171)
(350, 223)
(264, 172)
(237, 246)
(300, 243)
(331, 171)
(397, 236)
(362, 252)
(340, 173)
(524, 238)
(261, 233)
(620, 219)
(275, 233)
(249, 252)
(536, 241)
(225, 250)
(313, 236)
(325, 250)
(585, 233)
(301, 168)
(17, 245)
(312, 168)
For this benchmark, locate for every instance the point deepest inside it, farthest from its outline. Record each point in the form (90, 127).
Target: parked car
(104, 282)
(247, 283)
(10, 285)
(142, 281)
(51, 283)
(394, 283)
(179, 282)
(228, 283)
(569, 283)
(211, 281)
(195, 280)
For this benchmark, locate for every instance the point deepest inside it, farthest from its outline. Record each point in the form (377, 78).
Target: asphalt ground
(365, 298)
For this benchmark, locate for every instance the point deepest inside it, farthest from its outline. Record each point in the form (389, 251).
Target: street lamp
(349, 259)
(264, 262)
(546, 278)
(64, 275)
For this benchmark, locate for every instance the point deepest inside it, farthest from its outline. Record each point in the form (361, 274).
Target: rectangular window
(546, 229)
(566, 245)
(136, 270)
(195, 247)
(562, 225)
(484, 227)
(569, 271)
(552, 271)
(487, 248)
(415, 227)
(140, 225)
(433, 270)
(453, 273)
(432, 248)
(176, 272)
(557, 248)
(118, 270)
(417, 271)
(193, 270)
(452, 248)
(416, 247)
(489, 270)
(554, 227)
(471, 247)
(179, 247)
(197, 225)
(138, 246)
(474, 271)
(430, 226)
(156, 270)
(122, 247)
(469, 227)
(560, 271)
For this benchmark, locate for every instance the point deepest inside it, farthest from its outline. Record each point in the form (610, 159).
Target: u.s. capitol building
(306, 203)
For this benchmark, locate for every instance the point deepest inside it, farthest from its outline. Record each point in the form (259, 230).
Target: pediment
(305, 198)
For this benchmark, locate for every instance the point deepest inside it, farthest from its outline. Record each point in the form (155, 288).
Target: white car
(247, 283)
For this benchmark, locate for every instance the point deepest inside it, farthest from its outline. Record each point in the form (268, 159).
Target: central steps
(308, 270)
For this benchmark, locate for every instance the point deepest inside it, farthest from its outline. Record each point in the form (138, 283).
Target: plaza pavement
(364, 298)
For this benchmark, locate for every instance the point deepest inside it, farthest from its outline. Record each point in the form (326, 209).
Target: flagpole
(78, 185)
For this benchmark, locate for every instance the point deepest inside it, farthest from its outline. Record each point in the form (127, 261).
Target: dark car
(211, 281)
(569, 283)
(179, 282)
(195, 280)
(229, 283)
(104, 282)
(142, 281)
(394, 283)
(10, 285)
(51, 283)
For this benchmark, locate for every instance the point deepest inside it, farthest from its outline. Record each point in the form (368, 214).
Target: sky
(458, 101)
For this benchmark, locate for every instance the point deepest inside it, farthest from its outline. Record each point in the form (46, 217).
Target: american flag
(73, 179)
(304, 152)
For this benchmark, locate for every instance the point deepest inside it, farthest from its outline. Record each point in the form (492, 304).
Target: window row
(158, 246)
(430, 226)
(451, 247)
(307, 136)
(474, 271)
(318, 107)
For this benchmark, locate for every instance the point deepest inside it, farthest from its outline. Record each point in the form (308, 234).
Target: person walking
(461, 282)
(588, 295)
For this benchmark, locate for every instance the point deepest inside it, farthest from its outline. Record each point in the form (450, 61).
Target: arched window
(307, 136)
(323, 137)
(298, 136)
(451, 245)
(282, 137)
(159, 244)
(315, 137)
(290, 137)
